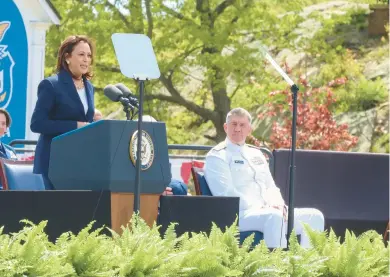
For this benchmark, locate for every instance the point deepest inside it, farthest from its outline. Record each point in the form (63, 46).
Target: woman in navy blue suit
(6, 151)
(65, 100)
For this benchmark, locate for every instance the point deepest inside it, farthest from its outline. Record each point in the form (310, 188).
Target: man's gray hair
(238, 112)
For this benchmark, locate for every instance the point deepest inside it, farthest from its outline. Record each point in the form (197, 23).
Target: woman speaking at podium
(65, 100)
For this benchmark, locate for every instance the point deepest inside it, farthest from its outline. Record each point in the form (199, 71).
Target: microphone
(115, 95)
(127, 93)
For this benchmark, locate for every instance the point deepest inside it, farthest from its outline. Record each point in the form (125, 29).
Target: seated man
(234, 168)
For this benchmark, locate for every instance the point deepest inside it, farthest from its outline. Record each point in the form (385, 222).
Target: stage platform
(73, 210)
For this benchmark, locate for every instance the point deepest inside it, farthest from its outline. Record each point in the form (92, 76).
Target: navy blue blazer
(57, 111)
(9, 154)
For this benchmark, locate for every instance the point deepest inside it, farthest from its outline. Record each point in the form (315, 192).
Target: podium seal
(147, 150)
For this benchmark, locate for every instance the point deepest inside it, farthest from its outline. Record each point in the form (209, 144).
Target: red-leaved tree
(316, 127)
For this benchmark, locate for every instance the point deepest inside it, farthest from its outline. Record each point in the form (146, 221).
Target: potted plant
(378, 18)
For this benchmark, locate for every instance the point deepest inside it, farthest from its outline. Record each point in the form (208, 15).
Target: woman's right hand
(81, 124)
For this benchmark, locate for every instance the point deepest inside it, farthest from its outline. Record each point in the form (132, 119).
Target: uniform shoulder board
(253, 146)
(220, 146)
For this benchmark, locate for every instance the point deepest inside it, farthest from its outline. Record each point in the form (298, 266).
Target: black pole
(290, 225)
(126, 109)
(139, 135)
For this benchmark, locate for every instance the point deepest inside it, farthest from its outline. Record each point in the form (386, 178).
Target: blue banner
(13, 68)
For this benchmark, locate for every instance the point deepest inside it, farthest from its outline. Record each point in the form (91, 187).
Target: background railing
(181, 147)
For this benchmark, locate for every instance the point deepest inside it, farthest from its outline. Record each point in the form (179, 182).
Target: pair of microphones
(121, 93)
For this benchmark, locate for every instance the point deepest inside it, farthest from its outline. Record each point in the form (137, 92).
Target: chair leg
(386, 234)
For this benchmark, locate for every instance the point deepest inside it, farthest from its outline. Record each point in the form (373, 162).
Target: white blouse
(83, 97)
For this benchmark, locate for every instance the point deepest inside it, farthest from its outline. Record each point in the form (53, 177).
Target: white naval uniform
(243, 171)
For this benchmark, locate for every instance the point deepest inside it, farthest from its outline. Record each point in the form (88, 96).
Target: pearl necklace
(78, 85)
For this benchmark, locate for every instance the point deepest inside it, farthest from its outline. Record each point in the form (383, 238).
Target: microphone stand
(294, 90)
(129, 48)
(290, 222)
(126, 109)
(137, 187)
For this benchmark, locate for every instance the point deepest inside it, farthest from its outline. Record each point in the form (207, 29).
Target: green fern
(29, 253)
(201, 255)
(303, 262)
(142, 251)
(363, 256)
(261, 262)
(88, 253)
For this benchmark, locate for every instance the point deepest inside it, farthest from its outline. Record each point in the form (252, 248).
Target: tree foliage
(316, 127)
(209, 55)
(206, 49)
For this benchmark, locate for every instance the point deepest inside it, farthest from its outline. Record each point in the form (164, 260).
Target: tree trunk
(221, 135)
(136, 16)
(221, 102)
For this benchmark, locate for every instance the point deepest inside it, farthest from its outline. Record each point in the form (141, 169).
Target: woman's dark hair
(8, 119)
(66, 49)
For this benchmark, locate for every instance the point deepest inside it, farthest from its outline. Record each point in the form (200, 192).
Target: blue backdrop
(13, 67)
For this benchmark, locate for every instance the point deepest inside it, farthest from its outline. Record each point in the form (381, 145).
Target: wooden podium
(122, 209)
(101, 156)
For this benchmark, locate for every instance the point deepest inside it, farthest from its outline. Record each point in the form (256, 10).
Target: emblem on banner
(147, 150)
(6, 68)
